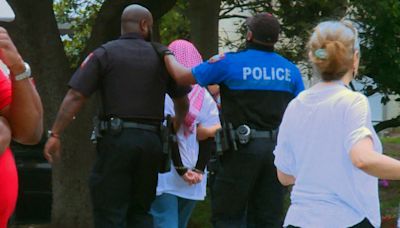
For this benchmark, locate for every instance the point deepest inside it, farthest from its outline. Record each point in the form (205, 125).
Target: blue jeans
(170, 211)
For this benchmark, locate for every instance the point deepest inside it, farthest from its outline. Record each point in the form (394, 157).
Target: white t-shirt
(171, 182)
(317, 132)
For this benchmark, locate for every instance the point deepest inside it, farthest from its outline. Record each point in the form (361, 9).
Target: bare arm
(25, 113)
(285, 179)
(365, 158)
(179, 73)
(206, 132)
(5, 134)
(70, 106)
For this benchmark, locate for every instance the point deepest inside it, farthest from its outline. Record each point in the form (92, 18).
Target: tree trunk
(203, 16)
(36, 35)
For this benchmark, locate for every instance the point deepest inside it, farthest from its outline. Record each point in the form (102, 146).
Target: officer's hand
(9, 53)
(52, 149)
(161, 49)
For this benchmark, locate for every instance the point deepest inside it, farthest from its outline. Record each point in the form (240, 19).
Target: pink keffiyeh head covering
(187, 54)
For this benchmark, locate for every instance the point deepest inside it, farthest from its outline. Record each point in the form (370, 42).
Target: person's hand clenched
(161, 49)
(9, 53)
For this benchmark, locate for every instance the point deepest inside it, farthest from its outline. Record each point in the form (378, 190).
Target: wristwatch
(25, 74)
(52, 134)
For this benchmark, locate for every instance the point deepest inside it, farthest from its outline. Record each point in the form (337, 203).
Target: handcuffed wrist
(181, 170)
(197, 171)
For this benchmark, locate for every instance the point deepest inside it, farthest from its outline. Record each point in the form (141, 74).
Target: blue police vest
(256, 86)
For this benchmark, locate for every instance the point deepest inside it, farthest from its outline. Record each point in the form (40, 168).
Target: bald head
(138, 19)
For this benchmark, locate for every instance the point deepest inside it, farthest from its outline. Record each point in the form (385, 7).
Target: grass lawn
(389, 196)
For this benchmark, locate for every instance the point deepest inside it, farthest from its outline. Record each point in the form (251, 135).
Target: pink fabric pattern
(187, 54)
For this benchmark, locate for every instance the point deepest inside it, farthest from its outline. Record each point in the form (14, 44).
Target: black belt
(141, 126)
(263, 134)
(115, 123)
(244, 133)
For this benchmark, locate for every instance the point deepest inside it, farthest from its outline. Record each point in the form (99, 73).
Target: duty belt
(244, 134)
(117, 124)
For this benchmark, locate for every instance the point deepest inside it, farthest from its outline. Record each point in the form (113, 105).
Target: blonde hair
(332, 46)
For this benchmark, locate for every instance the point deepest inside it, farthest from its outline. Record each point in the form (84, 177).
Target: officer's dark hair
(265, 28)
(332, 47)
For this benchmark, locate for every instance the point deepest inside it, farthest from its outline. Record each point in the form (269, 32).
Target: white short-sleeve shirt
(317, 132)
(171, 182)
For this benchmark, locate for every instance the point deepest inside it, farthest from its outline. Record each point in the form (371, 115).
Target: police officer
(132, 82)
(256, 86)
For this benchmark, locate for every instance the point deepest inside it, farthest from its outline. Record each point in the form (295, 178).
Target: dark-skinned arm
(70, 106)
(5, 134)
(25, 113)
(182, 75)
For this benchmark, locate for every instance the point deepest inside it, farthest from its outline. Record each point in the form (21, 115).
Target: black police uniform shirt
(131, 77)
(256, 86)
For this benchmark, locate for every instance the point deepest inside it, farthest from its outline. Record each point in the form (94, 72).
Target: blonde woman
(327, 147)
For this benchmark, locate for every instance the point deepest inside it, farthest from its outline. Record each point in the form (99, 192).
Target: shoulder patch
(216, 58)
(86, 60)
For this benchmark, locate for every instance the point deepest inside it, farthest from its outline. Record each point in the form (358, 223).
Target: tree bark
(203, 16)
(395, 122)
(37, 38)
(36, 35)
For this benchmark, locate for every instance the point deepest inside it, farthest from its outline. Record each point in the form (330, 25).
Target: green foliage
(379, 26)
(393, 140)
(79, 16)
(298, 19)
(379, 23)
(175, 25)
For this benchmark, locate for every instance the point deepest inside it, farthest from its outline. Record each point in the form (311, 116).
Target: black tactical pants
(246, 192)
(124, 179)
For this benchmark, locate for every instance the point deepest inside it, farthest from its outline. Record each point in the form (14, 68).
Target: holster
(96, 133)
(228, 137)
(225, 139)
(113, 125)
(167, 139)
